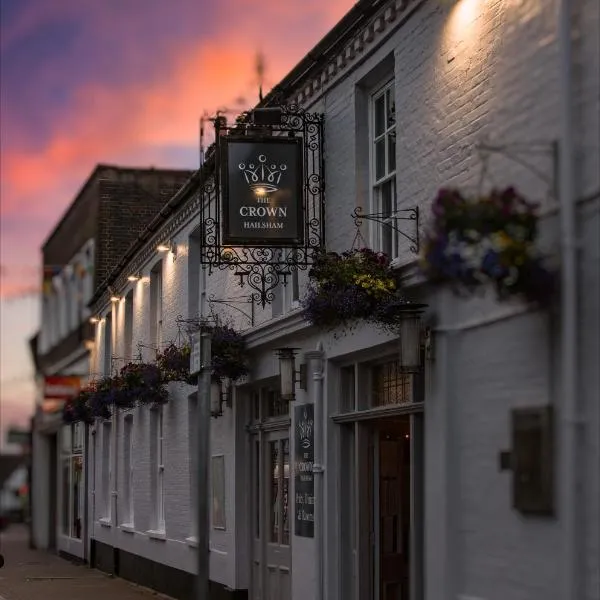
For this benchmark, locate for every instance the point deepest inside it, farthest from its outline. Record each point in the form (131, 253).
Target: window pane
(276, 407)
(66, 485)
(76, 498)
(380, 159)
(274, 500)
(390, 385)
(390, 108)
(387, 199)
(285, 492)
(391, 138)
(379, 115)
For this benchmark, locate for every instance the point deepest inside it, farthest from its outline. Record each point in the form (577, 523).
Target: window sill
(192, 541)
(156, 534)
(127, 527)
(105, 522)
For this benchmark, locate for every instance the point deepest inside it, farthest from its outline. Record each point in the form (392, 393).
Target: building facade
(414, 496)
(88, 241)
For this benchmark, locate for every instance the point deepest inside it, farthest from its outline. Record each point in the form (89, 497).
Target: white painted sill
(192, 541)
(156, 534)
(127, 527)
(105, 522)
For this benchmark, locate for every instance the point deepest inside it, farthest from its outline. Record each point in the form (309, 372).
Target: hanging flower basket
(229, 356)
(487, 240)
(143, 383)
(78, 409)
(99, 399)
(174, 364)
(355, 285)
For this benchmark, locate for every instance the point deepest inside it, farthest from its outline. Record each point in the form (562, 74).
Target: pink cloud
(150, 114)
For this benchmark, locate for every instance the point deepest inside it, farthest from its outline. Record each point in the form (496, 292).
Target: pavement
(38, 575)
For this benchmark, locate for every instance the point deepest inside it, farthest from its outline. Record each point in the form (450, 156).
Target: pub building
(358, 464)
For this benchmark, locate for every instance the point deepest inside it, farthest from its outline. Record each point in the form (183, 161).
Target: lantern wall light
(409, 350)
(288, 376)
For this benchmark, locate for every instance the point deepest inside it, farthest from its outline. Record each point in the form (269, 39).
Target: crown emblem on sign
(263, 176)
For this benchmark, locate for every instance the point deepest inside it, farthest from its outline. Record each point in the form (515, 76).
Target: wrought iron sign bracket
(411, 215)
(262, 207)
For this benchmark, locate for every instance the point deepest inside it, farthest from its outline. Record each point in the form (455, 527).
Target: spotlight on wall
(94, 320)
(114, 298)
(134, 278)
(288, 376)
(163, 248)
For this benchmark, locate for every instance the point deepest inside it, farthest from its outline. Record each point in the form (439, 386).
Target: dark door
(393, 511)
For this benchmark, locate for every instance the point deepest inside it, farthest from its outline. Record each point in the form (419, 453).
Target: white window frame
(383, 227)
(72, 448)
(107, 472)
(156, 304)
(159, 472)
(128, 469)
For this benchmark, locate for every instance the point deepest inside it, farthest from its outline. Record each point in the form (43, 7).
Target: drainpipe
(571, 418)
(315, 366)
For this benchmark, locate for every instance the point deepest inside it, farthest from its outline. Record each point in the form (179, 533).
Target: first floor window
(383, 169)
(106, 469)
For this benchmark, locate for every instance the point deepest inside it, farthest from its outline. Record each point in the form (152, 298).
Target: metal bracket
(231, 303)
(391, 221)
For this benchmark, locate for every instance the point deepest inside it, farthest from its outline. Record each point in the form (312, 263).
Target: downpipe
(571, 434)
(315, 359)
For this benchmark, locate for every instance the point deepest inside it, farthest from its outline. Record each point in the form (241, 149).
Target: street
(36, 575)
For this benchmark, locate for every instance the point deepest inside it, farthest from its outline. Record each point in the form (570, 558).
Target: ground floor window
(72, 480)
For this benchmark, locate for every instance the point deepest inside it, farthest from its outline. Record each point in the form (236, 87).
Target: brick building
(414, 495)
(106, 216)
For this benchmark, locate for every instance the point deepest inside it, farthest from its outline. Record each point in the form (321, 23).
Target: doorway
(270, 502)
(271, 560)
(391, 508)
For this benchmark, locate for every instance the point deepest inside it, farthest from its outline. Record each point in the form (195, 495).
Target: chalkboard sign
(304, 483)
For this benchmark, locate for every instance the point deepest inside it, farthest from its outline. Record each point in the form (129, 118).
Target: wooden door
(271, 561)
(393, 511)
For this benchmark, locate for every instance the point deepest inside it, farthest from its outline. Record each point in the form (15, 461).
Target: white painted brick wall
(494, 76)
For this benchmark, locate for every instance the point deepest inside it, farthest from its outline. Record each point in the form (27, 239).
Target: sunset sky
(120, 82)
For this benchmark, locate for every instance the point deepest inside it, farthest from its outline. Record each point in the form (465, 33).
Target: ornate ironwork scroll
(392, 221)
(263, 268)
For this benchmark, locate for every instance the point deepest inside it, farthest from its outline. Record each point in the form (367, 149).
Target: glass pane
(379, 159)
(274, 499)
(390, 385)
(285, 540)
(66, 486)
(391, 138)
(348, 385)
(379, 115)
(387, 198)
(390, 108)
(276, 407)
(77, 498)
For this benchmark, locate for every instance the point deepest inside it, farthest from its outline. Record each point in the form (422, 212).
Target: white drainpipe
(571, 421)
(315, 367)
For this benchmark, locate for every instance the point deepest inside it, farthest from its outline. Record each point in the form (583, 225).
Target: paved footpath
(36, 575)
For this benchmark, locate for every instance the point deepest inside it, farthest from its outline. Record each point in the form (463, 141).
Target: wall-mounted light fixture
(220, 393)
(163, 247)
(135, 277)
(409, 351)
(288, 376)
(114, 298)
(94, 320)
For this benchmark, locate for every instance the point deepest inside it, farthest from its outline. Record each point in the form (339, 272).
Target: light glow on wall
(462, 32)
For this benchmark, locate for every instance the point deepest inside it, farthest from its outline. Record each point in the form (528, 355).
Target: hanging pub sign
(262, 191)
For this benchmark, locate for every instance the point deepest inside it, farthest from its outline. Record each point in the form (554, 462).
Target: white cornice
(366, 38)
